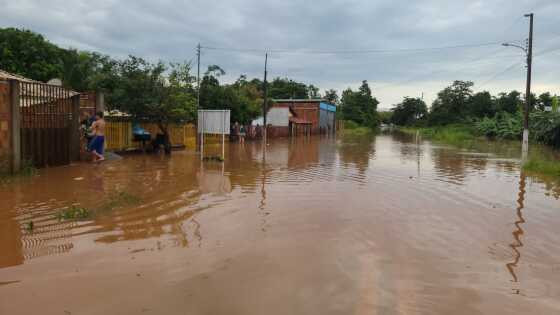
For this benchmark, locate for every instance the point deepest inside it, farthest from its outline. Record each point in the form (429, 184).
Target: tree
(360, 106)
(331, 96)
(544, 100)
(142, 90)
(509, 102)
(28, 54)
(481, 105)
(409, 111)
(244, 98)
(451, 104)
(313, 92)
(283, 88)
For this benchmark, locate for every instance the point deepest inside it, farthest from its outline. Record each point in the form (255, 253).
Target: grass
(115, 200)
(357, 132)
(27, 170)
(542, 166)
(453, 134)
(73, 212)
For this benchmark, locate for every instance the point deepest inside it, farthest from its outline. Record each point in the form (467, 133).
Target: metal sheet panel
(214, 121)
(278, 117)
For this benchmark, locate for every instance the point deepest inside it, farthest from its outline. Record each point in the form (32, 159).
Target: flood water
(376, 225)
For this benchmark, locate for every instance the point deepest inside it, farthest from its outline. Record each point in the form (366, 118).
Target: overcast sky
(169, 31)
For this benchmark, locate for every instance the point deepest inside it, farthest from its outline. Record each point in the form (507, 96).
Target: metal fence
(48, 124)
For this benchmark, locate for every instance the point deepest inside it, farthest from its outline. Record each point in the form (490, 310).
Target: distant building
(318, 114)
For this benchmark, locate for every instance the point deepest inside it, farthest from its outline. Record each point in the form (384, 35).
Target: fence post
(16, 125)
(75, 129)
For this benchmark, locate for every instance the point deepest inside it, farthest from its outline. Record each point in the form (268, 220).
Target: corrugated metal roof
(10, 76)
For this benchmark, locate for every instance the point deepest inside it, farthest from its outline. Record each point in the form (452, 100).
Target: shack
(283, 122)
(317, 113)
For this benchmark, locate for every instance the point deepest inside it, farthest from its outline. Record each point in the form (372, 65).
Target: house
(283, 122)
(317, 113)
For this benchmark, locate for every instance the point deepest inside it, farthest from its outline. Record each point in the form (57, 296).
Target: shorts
(97, 144)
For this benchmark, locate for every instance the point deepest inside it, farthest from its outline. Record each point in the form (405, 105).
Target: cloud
(170, 30)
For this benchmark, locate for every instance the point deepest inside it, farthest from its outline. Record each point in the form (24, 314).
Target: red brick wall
(5, 126)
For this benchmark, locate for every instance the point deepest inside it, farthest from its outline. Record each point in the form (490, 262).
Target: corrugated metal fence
(118, 135)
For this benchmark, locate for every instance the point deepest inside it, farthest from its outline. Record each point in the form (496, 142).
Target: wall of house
(304, 110)
(5, 127)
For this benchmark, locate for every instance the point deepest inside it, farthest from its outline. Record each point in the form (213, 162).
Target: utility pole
(525, 146)
(264, 109)
(201, 139)
(198, 76)
(528, 49)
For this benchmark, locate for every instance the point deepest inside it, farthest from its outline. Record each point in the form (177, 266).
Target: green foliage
(244, 98)
(349, 124)
(504, 126)
(543, 166)
(119, 199)
(510, 102)
(29, 54)
(360, 106)
(545, 127)
(331, 96)
(554, 104)
(385, 117)
(284, 88)
(357, 132)
(481, 105)
(451, 104)
(409, 111)
(73, 213)
(487, 127)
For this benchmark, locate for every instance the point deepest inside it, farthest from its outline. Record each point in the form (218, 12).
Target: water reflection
(518, 232)
(172, 190)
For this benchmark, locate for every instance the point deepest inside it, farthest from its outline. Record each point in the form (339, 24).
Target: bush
(350, 124)
(487, 127)
(545, 127)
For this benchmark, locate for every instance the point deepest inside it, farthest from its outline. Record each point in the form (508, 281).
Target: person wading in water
(97, 144)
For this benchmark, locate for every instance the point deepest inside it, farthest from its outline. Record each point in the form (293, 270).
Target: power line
(349, 51)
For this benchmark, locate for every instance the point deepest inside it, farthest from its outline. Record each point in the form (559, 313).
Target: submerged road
(375, 225)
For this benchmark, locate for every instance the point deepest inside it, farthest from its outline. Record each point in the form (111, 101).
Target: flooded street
(375, 225)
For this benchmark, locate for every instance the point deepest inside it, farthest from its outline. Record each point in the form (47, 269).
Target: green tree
(451, 104)
(144, 91)
(409, 111)
(509, 102)
(283, 88)
(481, 105)
(28, 54)
(331, 96)
(360, 106)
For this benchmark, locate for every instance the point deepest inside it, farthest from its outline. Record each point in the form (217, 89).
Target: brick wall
(5, 131)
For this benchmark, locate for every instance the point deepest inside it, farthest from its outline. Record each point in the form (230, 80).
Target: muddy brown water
(375, 225)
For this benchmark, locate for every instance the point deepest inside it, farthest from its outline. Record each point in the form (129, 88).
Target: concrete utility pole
(529, 54)
(201, 138)
(264, 109)
(525, 149)
(198, 76)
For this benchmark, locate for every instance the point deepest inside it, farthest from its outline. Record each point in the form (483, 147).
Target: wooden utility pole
(265, 105)
(525, 145)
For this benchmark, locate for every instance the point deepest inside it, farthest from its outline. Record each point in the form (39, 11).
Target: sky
(402, 48)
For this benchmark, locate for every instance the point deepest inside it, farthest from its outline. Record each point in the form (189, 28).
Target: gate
(48, 124)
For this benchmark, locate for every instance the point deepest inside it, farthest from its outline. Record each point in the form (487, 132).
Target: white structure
(213, 121)
(276, 117)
